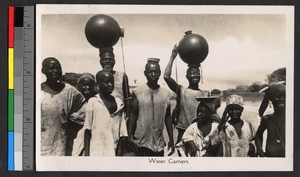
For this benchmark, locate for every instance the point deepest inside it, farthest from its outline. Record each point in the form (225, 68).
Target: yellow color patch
(10, 68)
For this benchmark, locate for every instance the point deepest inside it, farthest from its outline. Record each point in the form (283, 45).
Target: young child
(196, 139)
(235, 134)
(104, 122)
(86, 84)
(274, 124)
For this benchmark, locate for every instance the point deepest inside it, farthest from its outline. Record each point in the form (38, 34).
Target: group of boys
(91, 120)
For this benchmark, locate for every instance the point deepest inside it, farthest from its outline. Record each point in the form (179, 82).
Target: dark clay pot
(193, 48)
(103, 31)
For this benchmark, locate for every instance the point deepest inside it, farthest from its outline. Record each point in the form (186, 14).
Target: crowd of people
(102, 118)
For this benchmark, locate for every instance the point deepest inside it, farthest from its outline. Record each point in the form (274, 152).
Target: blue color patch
(11, 152)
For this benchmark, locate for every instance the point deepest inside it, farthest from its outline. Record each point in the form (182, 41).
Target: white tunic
(55, 112)
(233, 144)
(194, 134)
(105, 127)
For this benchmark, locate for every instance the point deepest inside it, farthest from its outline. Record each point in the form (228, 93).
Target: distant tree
(275, 76)
(70, 78)
(241, 88)
(255, 87)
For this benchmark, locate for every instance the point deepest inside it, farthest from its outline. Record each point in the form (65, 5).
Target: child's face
(106, 85)
(86, 86)
(235, 112)
(277, 97)
(203, 114)
(52, 70)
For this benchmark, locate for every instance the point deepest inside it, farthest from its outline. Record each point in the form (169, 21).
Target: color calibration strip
(21, 88)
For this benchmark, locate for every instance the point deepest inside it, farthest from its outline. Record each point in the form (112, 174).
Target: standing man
(196, 139)
(188, 102)
(58, 102)
(150, 110)
(121, 87)
(86, 86)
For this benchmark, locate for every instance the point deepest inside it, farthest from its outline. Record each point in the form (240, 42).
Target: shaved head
(105, 82)
(103, 74)
(51, 68)
(48, 60)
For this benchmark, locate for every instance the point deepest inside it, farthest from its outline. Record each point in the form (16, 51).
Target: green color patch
(10, 110)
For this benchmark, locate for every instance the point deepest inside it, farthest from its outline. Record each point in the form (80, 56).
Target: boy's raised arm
(168, 71)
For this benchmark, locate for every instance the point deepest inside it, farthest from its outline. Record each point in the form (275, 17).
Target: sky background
(243, 48)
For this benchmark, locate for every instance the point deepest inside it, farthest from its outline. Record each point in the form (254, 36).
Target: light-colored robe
(194, 134)
(233, 145)
(105, 127)
(55, 112)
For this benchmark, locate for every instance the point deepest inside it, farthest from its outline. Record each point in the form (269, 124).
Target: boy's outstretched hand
(224, 119)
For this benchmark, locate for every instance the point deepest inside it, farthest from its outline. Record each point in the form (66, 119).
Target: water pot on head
(103, 31)
(193, 48)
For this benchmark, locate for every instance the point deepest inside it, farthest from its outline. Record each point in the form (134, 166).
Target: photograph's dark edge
(3, 91)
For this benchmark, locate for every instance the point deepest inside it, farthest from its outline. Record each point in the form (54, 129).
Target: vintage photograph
(164, 88)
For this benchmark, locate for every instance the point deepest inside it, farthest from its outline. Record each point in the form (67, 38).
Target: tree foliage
(275, 76)
(255, 87)
(70, 78)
